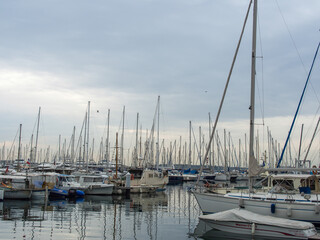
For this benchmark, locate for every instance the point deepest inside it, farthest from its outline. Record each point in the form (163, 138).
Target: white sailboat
(291, 205)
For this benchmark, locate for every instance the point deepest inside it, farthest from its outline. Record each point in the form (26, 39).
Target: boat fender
(289, 211)
(253, 228)
(317, 209)
(314, 172)
(273, 208)
(241, 202)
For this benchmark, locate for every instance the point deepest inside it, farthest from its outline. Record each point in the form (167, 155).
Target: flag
(28, 161)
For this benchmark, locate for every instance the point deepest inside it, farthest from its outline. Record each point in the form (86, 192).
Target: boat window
(87, 179)
(284, 183)
(97, 180)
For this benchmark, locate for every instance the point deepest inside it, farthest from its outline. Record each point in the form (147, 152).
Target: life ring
(315, 172)
(131, 177)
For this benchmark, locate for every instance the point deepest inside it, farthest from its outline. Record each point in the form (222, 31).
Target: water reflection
(162, 215)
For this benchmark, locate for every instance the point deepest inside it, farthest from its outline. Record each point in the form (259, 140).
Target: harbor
(159, 166)
(162, 215)
(171, 214)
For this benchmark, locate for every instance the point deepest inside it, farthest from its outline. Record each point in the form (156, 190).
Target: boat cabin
(304, 183)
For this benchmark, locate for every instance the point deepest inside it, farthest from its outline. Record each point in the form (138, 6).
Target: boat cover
(244, 216)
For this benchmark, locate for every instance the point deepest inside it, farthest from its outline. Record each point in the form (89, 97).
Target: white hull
(17, 194)
(143, 189)
(189, 177)
(221, 177)
(105, 189)
(212, 203)
(262, 230)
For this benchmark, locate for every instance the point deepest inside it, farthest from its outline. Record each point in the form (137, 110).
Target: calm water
(172, 214)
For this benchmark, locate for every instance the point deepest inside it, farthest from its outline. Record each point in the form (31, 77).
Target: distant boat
(15, 187)
(147, 177)
(68, 183)
(94, 185)
(244, 222)
(56, 193)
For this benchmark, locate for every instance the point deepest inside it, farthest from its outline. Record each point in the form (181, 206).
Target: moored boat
(241, 221)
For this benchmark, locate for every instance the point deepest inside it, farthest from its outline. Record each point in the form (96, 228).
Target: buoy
(253, 228)
(241, 202)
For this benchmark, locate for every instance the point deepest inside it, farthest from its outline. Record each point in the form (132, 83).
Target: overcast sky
(58, 55)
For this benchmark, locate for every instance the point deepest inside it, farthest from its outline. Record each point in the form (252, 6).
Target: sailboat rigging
(298, 201)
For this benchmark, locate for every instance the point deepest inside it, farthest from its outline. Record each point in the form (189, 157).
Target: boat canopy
(244, 216)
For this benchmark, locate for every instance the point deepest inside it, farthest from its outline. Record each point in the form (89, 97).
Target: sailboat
(295, 205)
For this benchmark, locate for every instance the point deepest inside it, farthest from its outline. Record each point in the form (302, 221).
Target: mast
(72, 144)
(84, 139)
(158, 134)
(300, 143)
(107, 142)
(59, 148)
(135, 164)
(122, 138)
(35, 150)
(19, 147)
(116, 155)
(200, 145)
(252, 160)
(298, 108)
(189, 143)
(88, 118)
(224, 92)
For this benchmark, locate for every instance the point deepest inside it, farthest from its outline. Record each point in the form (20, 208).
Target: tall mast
(72, 144)
(158, 134)
(87, 148)
(107, 143)
(122, 138)
(189, 143)
(19, 147)
(35, 150)
(84, 139)
(135, 164)
(116, 155)
(252, 160)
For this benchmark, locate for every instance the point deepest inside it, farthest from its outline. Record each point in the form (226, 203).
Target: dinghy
(244, 222)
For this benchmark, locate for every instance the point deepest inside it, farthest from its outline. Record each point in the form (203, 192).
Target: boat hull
(99, 190)
(262, 230)
(17, 194)
(212, 203)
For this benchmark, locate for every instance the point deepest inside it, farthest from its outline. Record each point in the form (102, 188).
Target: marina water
(171, 214)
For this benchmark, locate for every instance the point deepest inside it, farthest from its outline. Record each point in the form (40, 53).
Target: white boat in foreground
(241, 221)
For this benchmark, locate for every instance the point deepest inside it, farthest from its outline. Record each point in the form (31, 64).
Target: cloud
(59, 55)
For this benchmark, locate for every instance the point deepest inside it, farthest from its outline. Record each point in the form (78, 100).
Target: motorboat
(95, 185)
(244, 222)
(15, 187)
